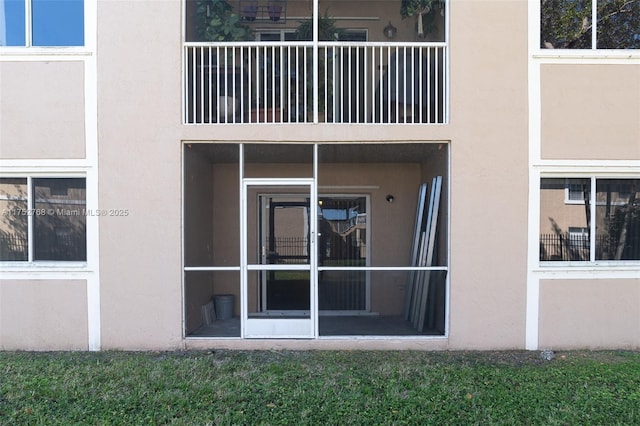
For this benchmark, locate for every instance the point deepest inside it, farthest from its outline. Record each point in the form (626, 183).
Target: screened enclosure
(312, 241)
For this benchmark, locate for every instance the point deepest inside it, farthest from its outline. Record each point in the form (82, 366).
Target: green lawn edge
(319, 387)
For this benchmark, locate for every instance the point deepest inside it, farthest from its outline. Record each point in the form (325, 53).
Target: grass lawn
(319, 387)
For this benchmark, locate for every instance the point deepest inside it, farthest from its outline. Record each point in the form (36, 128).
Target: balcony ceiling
(328, 153)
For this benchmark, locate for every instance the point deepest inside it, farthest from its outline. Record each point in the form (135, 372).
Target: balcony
(356, 83)
(357, 72)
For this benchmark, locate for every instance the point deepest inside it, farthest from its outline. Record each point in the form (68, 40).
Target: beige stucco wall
(140, 170)
(593, 314)
(590, 112)
(43, 315)
(42, 109)
(489, 145)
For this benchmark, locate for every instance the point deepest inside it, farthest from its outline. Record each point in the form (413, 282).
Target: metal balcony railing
(277, 82)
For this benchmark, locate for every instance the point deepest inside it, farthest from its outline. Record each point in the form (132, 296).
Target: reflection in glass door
(284, 240)
(278, 283)
(342, 243)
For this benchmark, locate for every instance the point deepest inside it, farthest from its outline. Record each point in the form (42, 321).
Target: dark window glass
(566, 224)
(564, 215)
(13, 219)
(618, 24)
(59, 220)
(565, 24)
(568, 24)
(618, 219)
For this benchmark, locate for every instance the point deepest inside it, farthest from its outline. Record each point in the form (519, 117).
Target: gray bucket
(224, 306)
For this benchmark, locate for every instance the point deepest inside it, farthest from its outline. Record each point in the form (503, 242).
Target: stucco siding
(595, 314)
(140, 171)
(42, 110)
(590, 111)
(489, 146)
(43, 315)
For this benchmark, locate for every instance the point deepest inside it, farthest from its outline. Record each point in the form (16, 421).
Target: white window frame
(28, 40)
(31, 261)
(583, 54)
(567, 194)
(593, 177)
(282, 31)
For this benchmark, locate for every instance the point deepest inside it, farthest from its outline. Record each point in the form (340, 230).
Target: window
(576, 190)
(605, 227)
(41, 22)
(42, 219)
(570, 24)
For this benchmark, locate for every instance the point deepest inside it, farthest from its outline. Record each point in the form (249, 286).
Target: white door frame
(269, 327)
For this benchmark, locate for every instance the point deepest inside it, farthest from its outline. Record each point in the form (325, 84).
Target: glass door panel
(342, 242)
(279, 285)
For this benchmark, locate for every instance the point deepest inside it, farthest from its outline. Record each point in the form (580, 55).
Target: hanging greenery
(217, 22)
(420, 8)
(327, 30)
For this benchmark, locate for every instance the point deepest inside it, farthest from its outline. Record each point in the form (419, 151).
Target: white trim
(388, 337)
(578, 56)
(346, 188)
(44, 271)
(30, 212)
(313, 256)
(281, 328)
(260, 183)
(267, 328)
(584, 272)
(211, 268)
(183, 274)
(594, 24)
(594, 220)
(587, 168)
(532, 313)
(539, 168)
(94, 312)
(42, 168)
(86, 168)
(279, 267)
(447, 73)
(30, 227)
(244, 297)
(535, 107)
(39, 54)
(28, 23)
(383, 268)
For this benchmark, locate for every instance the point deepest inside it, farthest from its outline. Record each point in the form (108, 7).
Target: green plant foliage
(414, 7)
(319, 387)
(619, 24)
(567, 24)
(327, 29)
(425, 10)
(623, 229)
(217, 22)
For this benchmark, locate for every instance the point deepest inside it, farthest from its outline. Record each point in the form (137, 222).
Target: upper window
(590, 24)
(43, 219)
(605, 226)
(41, 22)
